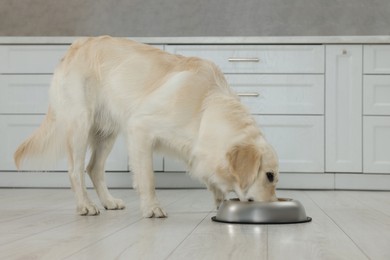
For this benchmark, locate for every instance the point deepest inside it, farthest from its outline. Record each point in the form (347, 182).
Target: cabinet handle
(243, 59)
(248, 94)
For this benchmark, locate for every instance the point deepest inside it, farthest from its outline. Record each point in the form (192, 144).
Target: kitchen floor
(42, 224)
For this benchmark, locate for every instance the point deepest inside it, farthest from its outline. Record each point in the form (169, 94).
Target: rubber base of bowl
(308, 219)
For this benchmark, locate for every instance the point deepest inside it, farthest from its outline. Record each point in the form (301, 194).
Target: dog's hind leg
(77, 147)
(140, 146)
(101, 147)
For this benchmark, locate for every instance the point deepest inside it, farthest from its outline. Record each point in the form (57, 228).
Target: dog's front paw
(218, 202)
(114, 204)
(154, 212)
(88, 209)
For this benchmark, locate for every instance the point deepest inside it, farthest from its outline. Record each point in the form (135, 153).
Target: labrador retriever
(107, 86)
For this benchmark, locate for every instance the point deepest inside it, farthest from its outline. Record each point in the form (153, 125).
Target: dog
(105, 86)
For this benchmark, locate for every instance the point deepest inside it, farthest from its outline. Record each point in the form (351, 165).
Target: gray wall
(194, 18)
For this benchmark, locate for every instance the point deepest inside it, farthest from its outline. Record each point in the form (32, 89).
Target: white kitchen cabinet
(343, 111)
(376, 99)
(376, 109)
(16, 129)
(158, 162)
(324, 107)
(172, 164)
(16, 59)
(376, 144)
(287, 81)
(258, 58)
(24, 94)
(377, 59)
(298, 141)
(284, 94)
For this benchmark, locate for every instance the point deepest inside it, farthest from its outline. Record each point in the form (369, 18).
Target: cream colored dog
(105, 86)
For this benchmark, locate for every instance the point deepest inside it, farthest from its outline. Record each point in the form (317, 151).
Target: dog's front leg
(140, 147)
(219, 196)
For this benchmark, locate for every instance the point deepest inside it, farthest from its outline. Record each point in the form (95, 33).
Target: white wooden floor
(42, 224)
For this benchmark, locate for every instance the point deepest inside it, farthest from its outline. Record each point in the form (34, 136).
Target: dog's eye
(270, 176)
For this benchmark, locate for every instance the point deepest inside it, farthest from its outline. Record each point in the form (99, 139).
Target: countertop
(379, 39)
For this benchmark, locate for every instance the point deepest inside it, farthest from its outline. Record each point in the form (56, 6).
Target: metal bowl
(283, 211)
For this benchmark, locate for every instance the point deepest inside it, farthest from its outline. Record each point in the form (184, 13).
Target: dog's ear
(244, 163)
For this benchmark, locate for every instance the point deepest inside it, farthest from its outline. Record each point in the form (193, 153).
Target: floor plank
(66, 239)
(377, 200)
(369, 229)
(145, 239)
(30, 203)
(42, 224)
(211, 240)
(319, 239)
(31, 225)
(159, 236)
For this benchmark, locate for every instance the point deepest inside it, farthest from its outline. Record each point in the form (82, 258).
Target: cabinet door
(17, 59)
(343, 108)
(376, 144)
(377, 59)
(158, 162)
(174, 165)
(16, 128)
(376, 98)
(298, 140)
(24, 94)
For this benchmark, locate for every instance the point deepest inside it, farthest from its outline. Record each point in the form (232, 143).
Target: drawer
(18, 59)
(258, 58)
(377, 59)
(376, 95)
(298, 140)
(24, 94)
(15, 129)
(376, 143)
(280, 94)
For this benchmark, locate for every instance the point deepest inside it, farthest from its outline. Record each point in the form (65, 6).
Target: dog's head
(255, 169)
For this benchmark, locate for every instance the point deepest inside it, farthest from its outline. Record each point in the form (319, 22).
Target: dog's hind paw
(114, 204)
(155, 212)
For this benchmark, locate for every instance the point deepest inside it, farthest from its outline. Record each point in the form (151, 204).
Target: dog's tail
(44, 147)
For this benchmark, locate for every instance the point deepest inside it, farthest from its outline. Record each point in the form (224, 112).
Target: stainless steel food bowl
(283, 211)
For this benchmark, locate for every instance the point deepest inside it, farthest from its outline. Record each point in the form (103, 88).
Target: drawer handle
(243, 59)
(248, 94)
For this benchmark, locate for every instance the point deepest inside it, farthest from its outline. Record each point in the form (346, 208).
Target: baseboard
(316, 181)
(321, 181)
(362, 181)
(113, 179)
